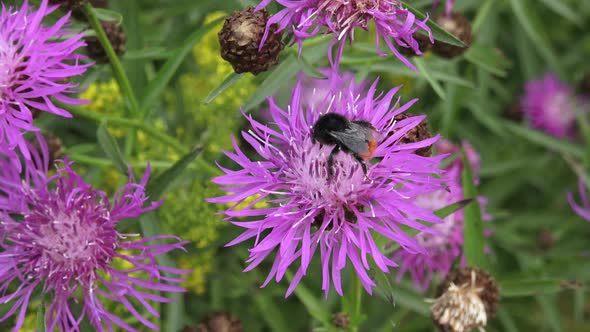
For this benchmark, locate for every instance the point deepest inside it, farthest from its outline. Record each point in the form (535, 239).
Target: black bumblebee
(358, 137)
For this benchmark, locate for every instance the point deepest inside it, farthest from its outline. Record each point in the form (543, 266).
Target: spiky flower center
(309, 176)
(66, 238)
(559, 109)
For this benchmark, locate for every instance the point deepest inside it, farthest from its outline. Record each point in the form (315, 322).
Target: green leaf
(450, 209)
(438, 32)
(562, 9)
(487, 59)
(534, 30)
(271, 313)
(551, 313)
(227, 82)
(111, 148)
(159, 83)
(160, 184)
(473, 237)
(422, 69)
(400, 69)
(156, 53)
(409, 298)
(108, 15)
(284, 73)
(528, 286)
(41, 323)
(488, 119)
(309, 69)
(545, 140)
(316, 308)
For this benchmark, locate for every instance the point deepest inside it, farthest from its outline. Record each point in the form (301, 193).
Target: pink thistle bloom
(551, 105)
(446, 246)
(582, 210)
(306, 18)
(337, 215)
(36, 64)
(64, 242)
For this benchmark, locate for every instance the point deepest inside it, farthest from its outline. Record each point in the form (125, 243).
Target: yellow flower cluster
(185, 212)
(104, 97)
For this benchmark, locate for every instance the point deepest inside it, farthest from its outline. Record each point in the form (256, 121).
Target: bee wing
(359, 139)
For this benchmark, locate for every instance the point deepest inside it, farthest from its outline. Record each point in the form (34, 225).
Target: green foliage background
(525, 174)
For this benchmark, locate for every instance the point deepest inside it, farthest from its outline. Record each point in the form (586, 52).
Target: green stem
(356, 303)
(132, 123)
(118, 70)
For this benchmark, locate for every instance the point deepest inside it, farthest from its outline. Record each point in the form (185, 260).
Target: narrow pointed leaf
(227, 82)
(111, 148)
(545, 140)
(438, 32)
(423, 70)
(315, 307)
(473, 237)
(158, 186)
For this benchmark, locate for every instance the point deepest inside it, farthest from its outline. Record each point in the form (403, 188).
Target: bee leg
(363, 165)
(331, 161)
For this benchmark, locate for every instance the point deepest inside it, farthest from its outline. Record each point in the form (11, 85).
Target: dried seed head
(467, 300)
(73, 5)
(341, 320)
(240, 39)
(220, 322)
(458, 25)
(416, 134)
(116, 36)
(424, 45)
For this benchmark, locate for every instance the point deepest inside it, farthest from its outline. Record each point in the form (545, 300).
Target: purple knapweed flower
(551, 105)
(59, 237)
(444, 247)
(308, 209)
(584, 209)
(394, 24)
(36, 63)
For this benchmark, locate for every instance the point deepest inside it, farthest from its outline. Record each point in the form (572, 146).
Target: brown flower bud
(468, 298)
(416, 134)
(341, 320)
(545, 239)
(75, 6)
(219, 322)
(240, 39)
(459, 26)
(116, 36)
